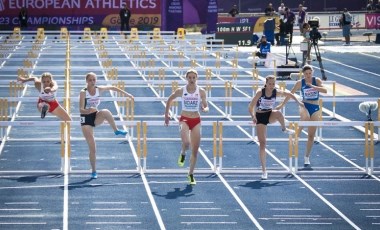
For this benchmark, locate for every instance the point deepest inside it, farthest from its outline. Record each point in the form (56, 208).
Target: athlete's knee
(186, 145)
(263, 143)
(105, 113)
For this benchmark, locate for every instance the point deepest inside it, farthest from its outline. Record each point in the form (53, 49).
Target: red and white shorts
(52, 104)
(191, 122)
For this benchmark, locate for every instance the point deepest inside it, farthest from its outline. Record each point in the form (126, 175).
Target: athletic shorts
(88, 119)
(263, 118)
(346, 30)
(52, 104)
(311, 108)
(191, 122)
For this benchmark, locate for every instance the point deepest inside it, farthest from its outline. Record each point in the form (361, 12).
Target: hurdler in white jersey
(47, 101)
(191, 101)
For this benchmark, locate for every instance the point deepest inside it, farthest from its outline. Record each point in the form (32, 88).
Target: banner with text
(76, 14)
(174, 14)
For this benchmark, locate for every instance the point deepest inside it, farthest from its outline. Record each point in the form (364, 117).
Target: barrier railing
(217, 139)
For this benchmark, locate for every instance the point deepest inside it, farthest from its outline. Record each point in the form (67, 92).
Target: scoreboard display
(235, 33)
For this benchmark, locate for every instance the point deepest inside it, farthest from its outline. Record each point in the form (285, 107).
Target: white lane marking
(367, 203)
(302, 223)
(315, 216)
(11, 203)
(21, 216)
(209, 215)
(352, 67)
(20, 209)
(351, 194)
(105, 202)
(112, 215)
(196, 202)
(300, 218)
(283, 202)
(23, 223)
(200, 208)
(107, 223)
(111, 209)
(292, 209)
(208, 222)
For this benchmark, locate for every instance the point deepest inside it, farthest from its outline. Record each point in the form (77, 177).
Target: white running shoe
(307, 160)
(289, 131)
(264, 176)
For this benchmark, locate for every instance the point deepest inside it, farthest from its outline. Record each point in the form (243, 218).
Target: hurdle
(181, 33)
(64, 33)
(174, 104)
(16, 33)
(64, 140)
(156, 34)
(134, 36)
(145, 150)
(3, 116)
(293, 145)
(40, 34)
(87, 33)
(65, 143)
(103, 33)
(218, 151)
(369, 152)
(369, 148)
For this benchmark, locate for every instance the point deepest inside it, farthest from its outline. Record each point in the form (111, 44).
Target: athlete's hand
(92, 110)
(254, 120)
(47, 90)
(205, 109)
(167, 120)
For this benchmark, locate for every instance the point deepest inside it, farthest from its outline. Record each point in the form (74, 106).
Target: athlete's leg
(61, 113)
(103, 115)
(262, 136)
(88, 133)
(195, 142)
(185, 138)
(311, 133)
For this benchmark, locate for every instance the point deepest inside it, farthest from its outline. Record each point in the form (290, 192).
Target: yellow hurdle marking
(64, 34)
(144, 139)
(40, 34)
(180, 33)
(220, 139)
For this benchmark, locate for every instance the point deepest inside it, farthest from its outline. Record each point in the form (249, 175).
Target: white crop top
(91, 100)
(46, 96)
(191, 101)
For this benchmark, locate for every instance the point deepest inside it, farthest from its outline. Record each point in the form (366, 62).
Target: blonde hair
(269, 77)
(47, 75)
(90, 74)
(191, 71)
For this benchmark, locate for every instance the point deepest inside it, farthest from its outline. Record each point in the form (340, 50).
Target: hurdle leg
(144, 164)
(366, 147)
(138, 139)
(214, 143)
(371, 147)
(220, 146)
(144, 145)
(296, 153)
(291, 146)
(63, 145)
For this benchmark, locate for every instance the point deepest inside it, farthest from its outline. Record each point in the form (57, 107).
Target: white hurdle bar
(217, 140)
(65, 137)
